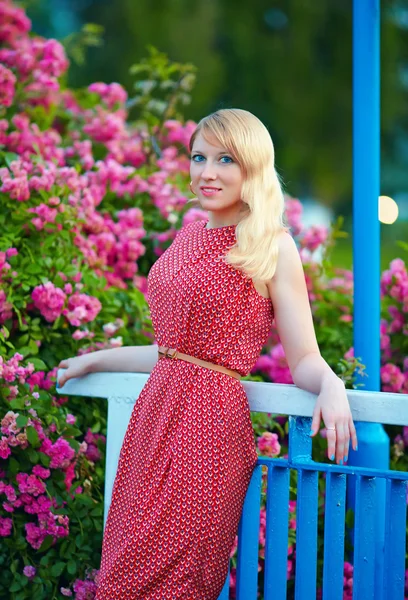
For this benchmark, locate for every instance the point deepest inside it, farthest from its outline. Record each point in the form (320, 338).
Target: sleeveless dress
(189, 449)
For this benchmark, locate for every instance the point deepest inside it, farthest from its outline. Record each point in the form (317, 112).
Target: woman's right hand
(77, 366)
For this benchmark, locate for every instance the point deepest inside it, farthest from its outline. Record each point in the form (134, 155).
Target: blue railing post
(277, 532)
(300, 442)
(373, 445)
(248, 540)
(300, 451)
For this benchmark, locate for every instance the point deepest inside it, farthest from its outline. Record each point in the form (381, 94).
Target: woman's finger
(331, 441)
(315, 421)
(353, 433)
(66, 375)
(340, 433)
(346, 441)
(69, 374)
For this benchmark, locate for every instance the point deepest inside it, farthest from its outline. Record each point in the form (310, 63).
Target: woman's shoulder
(288, 259)
(285, 254)
(285, 241)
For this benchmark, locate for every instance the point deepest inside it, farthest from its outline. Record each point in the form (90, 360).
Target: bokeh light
(387, 210)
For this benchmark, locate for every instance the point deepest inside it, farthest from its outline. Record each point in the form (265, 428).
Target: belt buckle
(170, 353)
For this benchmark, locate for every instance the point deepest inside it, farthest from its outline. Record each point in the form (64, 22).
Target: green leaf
(14, 566)
(21, 421)
(5, 332)
(37, 590)
(33, 269)
(33, 455)
(59, 263)
(97, 511)
(82, 499)
(25, 350)
(15, 586)
(97, 427)
(349, 518)
(94, 28)
(32, 436)
(17, 403)
(72, 567)
(402, 244)
(39, 364)
(46, 543)
(73, 443)
(45, 459)
(69, 430)
(33, 347)
(20, 543)
(57, 569)
(14, 466)
(10, 157)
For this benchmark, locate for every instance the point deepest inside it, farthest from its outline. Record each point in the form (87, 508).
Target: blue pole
(373, 442)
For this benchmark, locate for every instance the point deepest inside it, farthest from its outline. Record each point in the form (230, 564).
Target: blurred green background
(287, 61)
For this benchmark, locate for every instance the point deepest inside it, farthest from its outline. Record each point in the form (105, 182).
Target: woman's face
(216, 177)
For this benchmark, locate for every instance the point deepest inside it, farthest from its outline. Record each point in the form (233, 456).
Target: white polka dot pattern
(189, 449)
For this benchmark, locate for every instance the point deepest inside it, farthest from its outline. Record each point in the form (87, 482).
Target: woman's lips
(209, 191)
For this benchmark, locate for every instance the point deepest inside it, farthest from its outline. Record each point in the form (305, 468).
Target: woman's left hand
(333, 407)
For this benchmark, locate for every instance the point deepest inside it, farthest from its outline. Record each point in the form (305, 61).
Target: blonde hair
(250, 144)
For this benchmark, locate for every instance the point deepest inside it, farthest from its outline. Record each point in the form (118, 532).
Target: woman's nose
(209, 171)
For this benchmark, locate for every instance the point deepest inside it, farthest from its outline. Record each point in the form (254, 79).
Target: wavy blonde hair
(247, 139)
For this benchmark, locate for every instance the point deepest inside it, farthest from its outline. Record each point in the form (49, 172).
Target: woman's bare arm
(309, 370)
(128, 359)
(294, 322)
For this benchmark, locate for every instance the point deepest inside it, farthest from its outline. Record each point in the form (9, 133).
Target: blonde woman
(189, 449)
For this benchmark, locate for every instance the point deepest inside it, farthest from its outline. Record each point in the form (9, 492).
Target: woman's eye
(199, 158)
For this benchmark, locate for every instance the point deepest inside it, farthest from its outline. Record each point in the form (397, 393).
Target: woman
(189, 450)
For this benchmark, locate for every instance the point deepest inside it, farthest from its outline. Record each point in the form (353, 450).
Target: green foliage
(161, 85)
(90, 35)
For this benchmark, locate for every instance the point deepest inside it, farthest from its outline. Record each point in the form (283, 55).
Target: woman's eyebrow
(201, 152)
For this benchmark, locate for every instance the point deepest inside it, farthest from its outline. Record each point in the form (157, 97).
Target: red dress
(189, 449)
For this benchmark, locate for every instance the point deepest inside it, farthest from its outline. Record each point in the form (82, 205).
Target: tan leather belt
(173, 353)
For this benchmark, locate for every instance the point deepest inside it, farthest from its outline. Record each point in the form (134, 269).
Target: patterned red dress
(189, 449)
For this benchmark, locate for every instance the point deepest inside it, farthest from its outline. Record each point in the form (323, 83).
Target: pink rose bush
(7, 86)
(268, 444)
(40, 460)
(49, 300)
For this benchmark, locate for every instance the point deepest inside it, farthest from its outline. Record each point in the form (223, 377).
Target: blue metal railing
(277, 513)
